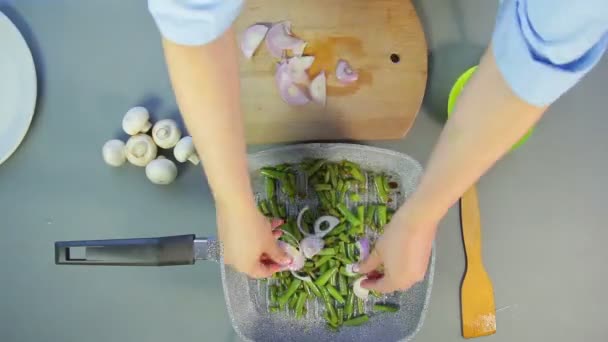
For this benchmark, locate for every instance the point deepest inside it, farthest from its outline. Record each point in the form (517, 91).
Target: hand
(249, 241)
(404, 250)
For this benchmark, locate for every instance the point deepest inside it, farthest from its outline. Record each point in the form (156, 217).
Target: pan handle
(161, 251)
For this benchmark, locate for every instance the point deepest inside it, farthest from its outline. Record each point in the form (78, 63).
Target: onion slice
(252, 38)
(360, 291)
(297, 258)
(301, 277)
(318, 89)
(363, 245)
(297, 67)
(311, 246)
(331, 220)
(289, 91)
(279, 38)
(299, 221)
(344, 73)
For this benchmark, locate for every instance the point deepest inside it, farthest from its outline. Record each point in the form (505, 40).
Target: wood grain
(382, 104)
(477, 294)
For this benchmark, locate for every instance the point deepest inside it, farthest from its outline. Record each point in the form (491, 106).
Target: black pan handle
(161, 251)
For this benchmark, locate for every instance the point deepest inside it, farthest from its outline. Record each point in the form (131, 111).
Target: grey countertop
(543, 206)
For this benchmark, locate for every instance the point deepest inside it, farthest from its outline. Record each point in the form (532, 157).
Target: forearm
(488, 119)
(206, 84)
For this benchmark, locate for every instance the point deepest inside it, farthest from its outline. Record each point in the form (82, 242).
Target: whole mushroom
(165, 133)
(113, 152)
(184, 151)
(161, 171)
(136, 120)
(140, 150)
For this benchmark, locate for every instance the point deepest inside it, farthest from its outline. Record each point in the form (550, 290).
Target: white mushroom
(166, 133)
(184, 150)
(161, 171)
(140, 150)
(113, 152)
(136, 120)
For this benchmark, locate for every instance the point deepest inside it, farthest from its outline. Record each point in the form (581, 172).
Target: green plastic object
(457, 89)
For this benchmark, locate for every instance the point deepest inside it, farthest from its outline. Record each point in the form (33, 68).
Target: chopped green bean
(327, 175)
(328, 304)
(354, 197)
(361, 216)
(356, 321)
(385, 185)
(342, 284)
(385, 307)
(274, 208)
(324, 259)
(270, 188)
(333, 175)
(274, 309)
(360, 306)
(324, 278)
(322, 187)
(350, 305)
(315, 167)
(300, 304)
(369, 215)
(292, 302)
(382, 195)
(327, 251)
(293, 287)
(263, 206)
(274, 174)
(334, 293)
(282, 211)
(352, 219)
(314, 289)
(381, 215)
(340, 313)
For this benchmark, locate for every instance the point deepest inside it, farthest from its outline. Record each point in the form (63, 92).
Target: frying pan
(247, 299)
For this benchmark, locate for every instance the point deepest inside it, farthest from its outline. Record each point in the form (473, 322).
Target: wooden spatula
(476, 294)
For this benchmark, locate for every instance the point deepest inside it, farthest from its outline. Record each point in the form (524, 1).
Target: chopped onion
(350, 270)
(359, 291)
(311, 246)
(303, 278)
(279, 38)
(297, 258)
(299, 221)
(344, 73)
(298, 51)
(318, 89)
(363, 246)
(297, 67)
(331, 220)
(289, 91)
(252, 38)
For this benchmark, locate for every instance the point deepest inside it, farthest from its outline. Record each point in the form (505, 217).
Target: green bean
(274, 309)
(353, 322)
(334, 293)
(342, 284)
(322, 187)
(274, 174)
(337, 230)
(343, 259)
(333, 175)
(283, 211)
(333, 281)
(333, 212)
(263, 206)
(324, 278)
(309, 264)
(354, 197)
(350, 305)
(292, 302)
(382, 195)
(323, 259)
(270, 188)
(351, 251)
(369, 215)
(381, 216)
(360, 306)
(340, 187)
(385, 307)
(300, 304)
(324, 202)
(361, 214)
(340, 313)
(274, 208)
(333, 198)
(328, 304)
(327, 175)
(346, 274)
(330, 323)
(273, 294)
(315, 167)
(314, 289)
(293, 287)
(327, 251)
(385, 185)
(324, 268)
(352, 219)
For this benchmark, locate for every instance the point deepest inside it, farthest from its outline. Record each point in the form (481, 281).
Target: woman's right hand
(249, 241)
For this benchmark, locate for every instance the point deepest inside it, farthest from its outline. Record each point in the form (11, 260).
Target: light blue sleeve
(544, 47)
(194, 22)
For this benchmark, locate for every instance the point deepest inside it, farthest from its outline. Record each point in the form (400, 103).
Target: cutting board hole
(395, 58)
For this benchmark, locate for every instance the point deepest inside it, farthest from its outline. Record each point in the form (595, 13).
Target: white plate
(17, 88)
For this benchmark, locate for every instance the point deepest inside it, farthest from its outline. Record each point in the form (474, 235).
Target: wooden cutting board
(382, 39)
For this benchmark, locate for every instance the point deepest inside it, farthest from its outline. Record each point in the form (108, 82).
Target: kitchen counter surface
(543, 207)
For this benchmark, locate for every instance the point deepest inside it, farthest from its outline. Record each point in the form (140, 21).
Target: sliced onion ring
(331, 220)
(289, 91)
(299, 221)
(344, 73)
(360, 291)
(311, 246)
(363, 245)
(252, 38)
(297, 258)
(279, 38)
(318, 89)
(306, 278)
